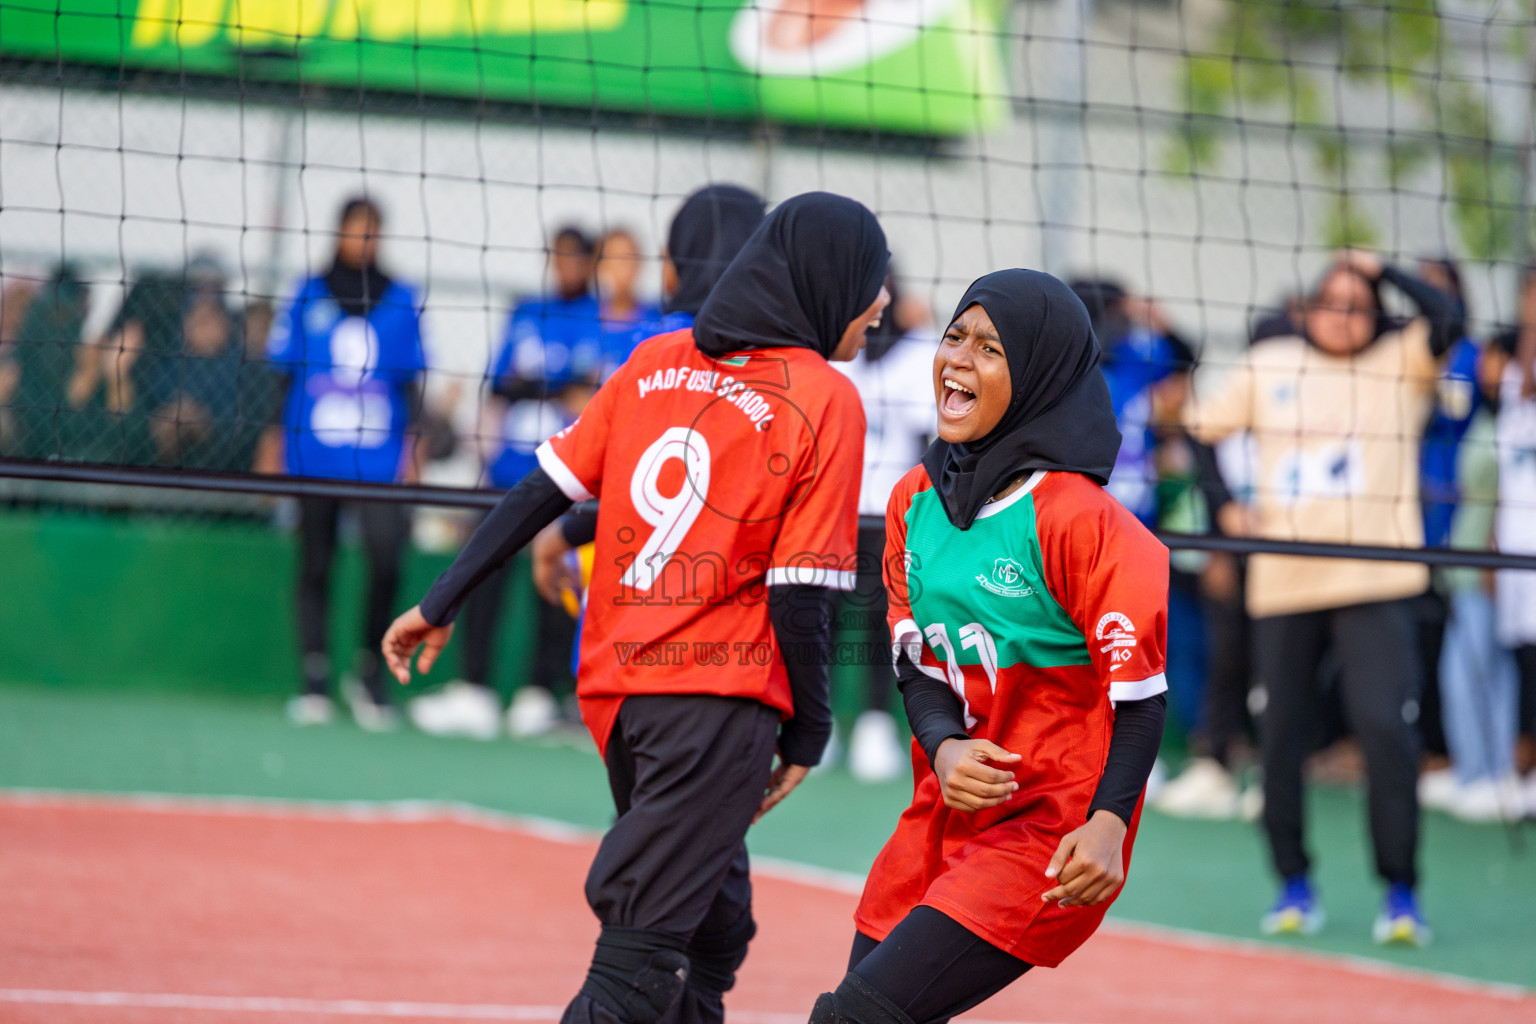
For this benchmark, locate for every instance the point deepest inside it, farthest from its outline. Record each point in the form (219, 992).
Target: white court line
(418, 811)
(343, 1007)
(279, 1004)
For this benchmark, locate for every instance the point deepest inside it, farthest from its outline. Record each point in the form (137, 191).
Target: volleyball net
(173, 172)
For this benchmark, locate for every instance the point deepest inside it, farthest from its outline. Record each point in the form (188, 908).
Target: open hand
(1089, 863)
(408, 634)
(1363, 262)
(966, 775)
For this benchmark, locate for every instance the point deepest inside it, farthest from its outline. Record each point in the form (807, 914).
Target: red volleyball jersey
(1048, 609)
(718, 477)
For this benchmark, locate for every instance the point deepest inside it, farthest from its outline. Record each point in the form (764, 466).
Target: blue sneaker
(1296, 912)
(1400, 923)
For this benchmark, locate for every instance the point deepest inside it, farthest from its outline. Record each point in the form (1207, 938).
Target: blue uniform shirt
(1457, 400)
(550, 341)
(621, 337)
(1133, 365)
(347, 408)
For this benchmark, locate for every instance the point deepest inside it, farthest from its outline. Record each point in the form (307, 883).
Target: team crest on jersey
(1120, 635)
(1007, 579)
(320, 315)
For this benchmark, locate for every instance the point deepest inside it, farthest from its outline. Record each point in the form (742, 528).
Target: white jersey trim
(995, 507)
(905, 636)
(811, 575)
(1140, 689)
(561, 474)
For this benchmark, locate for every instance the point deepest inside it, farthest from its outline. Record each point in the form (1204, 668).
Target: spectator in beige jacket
(1336, 414)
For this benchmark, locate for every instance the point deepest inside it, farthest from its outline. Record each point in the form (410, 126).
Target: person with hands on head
(1028, 613)
(726, 459)
(1336, 413)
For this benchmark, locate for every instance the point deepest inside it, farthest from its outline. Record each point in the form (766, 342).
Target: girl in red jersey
(1027, 608)
(726, 458)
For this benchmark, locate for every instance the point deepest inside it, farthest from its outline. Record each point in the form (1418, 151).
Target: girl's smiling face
(971, 382)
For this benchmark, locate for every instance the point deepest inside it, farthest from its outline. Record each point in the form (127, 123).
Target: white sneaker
(370, 717)
(1250, 806)
(1157, 780)
(458, 709)
(874, 749)
(1489, 801)
(1438, 789)
(1203, 790)
(310, 709)
(533, 712)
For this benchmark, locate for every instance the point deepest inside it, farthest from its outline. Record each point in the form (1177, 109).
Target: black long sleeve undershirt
(1446, 318)
(936, 715)
(520, 514)
(933, 710)
(802, 624)
(1133, 743)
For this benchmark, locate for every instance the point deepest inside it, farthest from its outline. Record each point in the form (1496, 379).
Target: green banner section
(929, 67)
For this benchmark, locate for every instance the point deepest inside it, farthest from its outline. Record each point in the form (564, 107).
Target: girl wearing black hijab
(1028, 611)
(726, 463)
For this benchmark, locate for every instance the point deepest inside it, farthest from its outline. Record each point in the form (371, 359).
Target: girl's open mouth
(958, 400)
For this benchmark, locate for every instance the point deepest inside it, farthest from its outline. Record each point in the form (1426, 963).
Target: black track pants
(932, 967)
(386, 528)
(687, 774)
(1377, 646)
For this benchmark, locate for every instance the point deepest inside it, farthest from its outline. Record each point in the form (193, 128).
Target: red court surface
(127, 911)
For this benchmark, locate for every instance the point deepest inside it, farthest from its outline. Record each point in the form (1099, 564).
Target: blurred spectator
(1146, 365)
(125, 367)
(47, 346)
(1457, 400)
(1208, 786)
(350, 346)
(546, 369)
(205, 409)
(1335, 416)
(15, 299)
(706, 233)
(1479, 680)
(1147, 368)
(1515, 528)
(626, 321)
(893, 375)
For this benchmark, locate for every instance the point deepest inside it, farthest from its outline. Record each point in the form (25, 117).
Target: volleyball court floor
(118, 909)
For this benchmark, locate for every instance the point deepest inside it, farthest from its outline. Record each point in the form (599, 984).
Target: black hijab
(709, 230)
(1059, 417)
(357, 289)
(808, 271)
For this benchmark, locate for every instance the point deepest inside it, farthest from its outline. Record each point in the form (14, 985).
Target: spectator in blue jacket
(350, 346)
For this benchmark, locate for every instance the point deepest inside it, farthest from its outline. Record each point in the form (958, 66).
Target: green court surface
(1479, 890)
